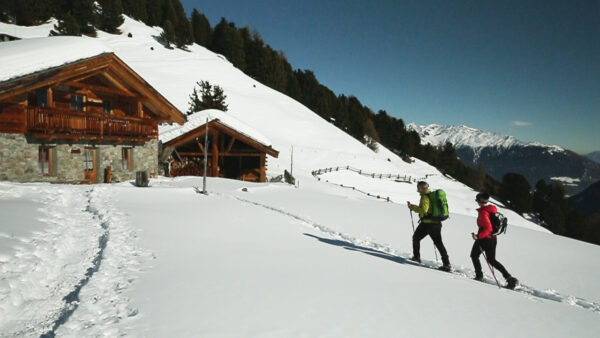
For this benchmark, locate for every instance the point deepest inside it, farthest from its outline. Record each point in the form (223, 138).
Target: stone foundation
(19, 160)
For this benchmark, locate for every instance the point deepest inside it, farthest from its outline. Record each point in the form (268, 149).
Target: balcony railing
(76, 124)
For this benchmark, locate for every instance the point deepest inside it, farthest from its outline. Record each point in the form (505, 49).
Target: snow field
(303, 262)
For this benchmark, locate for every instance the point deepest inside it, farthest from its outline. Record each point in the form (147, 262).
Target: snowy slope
(271, 260)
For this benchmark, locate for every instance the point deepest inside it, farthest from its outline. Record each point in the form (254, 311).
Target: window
(42, 98)
(107, 106)
(77, 102)
(45, 159)
(88, 159)
(126, 159)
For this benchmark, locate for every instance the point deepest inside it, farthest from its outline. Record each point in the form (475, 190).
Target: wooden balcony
(67, 124)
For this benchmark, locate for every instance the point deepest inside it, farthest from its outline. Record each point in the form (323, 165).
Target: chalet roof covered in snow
(23, 57)
(167, 132)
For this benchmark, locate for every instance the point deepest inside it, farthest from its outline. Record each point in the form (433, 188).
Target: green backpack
(438, 205)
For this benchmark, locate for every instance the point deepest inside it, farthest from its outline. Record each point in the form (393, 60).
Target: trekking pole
(490, 266)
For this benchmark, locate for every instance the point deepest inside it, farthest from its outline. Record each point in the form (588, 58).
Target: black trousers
(489, 247)
(434, 230)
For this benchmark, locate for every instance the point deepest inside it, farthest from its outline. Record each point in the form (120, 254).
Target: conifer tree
(5, 11)
(201, 29)
(110, 18)
(168, 33)
(371, 137)
(168, 11)
(479, 183)
(67, 25)
(154, 10)
(25, 12)
(516, 190)
(183, 27)
(210, 98)
(228, 41)
(136, 9)
(84, 11)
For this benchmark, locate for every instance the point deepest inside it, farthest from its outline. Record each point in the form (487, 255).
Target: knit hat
(482, 197)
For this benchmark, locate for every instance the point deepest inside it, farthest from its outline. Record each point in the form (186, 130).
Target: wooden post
(50, 102)
(140, 109)
(215, 151)
(263, 167)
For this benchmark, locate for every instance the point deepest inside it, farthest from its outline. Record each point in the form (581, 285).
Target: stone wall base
(19, 160)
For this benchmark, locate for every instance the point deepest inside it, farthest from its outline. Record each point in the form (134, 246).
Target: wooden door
(90, 166)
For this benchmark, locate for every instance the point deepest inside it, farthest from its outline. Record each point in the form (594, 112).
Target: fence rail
(396, 177)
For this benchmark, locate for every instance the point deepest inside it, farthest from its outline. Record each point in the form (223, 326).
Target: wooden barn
(234, 149)
(72, 111)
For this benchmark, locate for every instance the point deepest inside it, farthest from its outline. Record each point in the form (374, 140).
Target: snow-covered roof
(167, 132)
(22, 57)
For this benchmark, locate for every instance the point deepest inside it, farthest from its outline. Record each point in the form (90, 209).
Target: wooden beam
(245, 139)
(230, 145)
(107, 75)
(189, 136)
(200, 146)
(101, 89)
(32, 83)
(77, 138)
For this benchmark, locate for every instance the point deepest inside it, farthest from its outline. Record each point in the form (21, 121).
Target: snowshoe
(416, 259)
(446, 268)
(511, 283)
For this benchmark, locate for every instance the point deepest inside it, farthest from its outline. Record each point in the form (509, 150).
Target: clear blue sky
(530, 69)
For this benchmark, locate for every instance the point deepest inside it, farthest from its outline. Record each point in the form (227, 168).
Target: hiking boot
(416, 259)
(478, 277)
(445, 267)
(511, 282)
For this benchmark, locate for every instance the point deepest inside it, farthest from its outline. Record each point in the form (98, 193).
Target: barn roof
(170, 134)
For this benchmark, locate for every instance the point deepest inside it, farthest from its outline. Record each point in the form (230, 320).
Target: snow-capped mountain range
(464, 136)
(502, 154)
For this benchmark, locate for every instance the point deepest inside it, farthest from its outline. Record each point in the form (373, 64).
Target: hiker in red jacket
(486, 242)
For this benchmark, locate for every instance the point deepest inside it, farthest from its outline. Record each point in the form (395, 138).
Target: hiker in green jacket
(426, 227)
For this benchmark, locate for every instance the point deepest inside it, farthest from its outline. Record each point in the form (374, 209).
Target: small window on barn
(42, 98)
(127, 159)
(77, 102)
(46, 161)
(107, 106)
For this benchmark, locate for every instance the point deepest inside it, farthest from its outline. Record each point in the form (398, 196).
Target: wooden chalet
(89, 120)
(231, 152)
